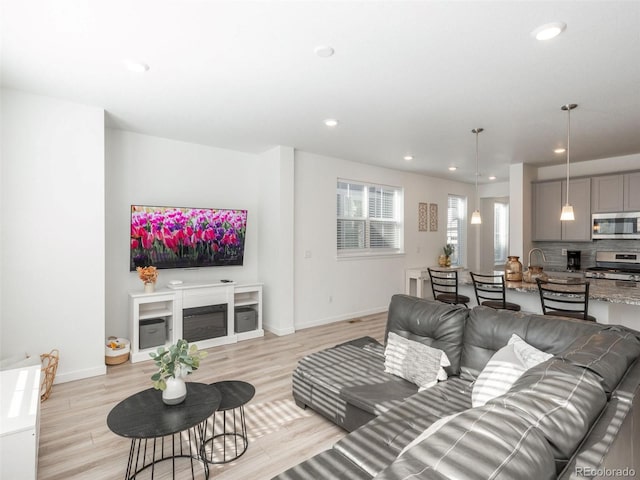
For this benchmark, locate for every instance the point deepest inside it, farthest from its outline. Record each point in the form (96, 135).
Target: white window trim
(368, 255)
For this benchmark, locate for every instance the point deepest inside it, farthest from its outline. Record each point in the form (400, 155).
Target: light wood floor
(75, 442)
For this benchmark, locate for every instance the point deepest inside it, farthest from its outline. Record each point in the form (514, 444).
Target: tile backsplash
(557, 261)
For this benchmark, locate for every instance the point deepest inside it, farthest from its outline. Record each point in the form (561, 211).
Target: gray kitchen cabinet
(606, 194)
(547, 205)
(632, 192)
(580, 197)
(615, 193)
(548, 200)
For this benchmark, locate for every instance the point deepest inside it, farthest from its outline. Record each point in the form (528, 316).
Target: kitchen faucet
(536, 250)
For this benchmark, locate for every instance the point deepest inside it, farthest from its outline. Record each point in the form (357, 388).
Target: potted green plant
(445, 260)
(174, 364)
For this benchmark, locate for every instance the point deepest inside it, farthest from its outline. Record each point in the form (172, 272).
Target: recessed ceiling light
(136, 66)
(453, 169)
(324, 51)
(492, 177)
(331, 122)
(549, 30)
(560, 150)
(408, 158)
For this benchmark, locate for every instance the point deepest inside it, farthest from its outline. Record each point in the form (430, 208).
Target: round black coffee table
(156, 429)
(235, 395)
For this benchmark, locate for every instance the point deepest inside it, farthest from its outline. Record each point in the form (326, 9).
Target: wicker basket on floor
(49, 367)
(116, 350)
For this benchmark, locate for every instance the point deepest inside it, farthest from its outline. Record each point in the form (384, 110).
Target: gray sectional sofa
(573, 416)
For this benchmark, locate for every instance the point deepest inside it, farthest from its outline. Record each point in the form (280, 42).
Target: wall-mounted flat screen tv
(175, 237)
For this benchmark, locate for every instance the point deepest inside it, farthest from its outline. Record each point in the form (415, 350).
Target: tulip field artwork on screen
(173, 237)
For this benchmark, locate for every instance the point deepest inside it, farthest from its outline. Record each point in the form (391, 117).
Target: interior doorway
(494, 234)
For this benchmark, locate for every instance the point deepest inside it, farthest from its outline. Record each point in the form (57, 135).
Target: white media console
(205, 303)
(20, 420)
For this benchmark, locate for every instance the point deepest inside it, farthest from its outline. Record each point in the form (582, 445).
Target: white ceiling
(406, 77)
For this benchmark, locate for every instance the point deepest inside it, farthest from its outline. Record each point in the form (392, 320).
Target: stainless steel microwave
(615, 225)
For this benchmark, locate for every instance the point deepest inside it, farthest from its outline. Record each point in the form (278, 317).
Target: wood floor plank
(76, 444)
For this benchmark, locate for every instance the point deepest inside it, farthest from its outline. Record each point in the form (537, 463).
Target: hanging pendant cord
(477, 196)
(568, 148)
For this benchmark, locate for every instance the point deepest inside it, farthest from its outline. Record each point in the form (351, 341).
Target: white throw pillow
(414, 361)
(505, 367)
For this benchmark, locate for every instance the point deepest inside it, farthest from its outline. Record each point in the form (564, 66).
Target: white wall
(276, 267)
(604, 166)
(358, 286)
(520, 208)
(52, 256)
(494, 190)
(148, 170)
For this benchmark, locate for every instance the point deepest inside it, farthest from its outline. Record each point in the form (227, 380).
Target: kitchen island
(610, 301)
(611, 291)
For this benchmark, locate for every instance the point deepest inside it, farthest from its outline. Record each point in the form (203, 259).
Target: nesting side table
(160, 432)
(233, 436)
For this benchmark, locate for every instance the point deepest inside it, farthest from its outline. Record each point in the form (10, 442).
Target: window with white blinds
(369, 218)
(500, 232)
(456, 227)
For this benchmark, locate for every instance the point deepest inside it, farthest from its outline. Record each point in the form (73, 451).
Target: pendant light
(567, 210)
(476, 219)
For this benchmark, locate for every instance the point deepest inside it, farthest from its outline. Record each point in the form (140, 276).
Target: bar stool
(444, 285)
(570, 299)
(490, 292)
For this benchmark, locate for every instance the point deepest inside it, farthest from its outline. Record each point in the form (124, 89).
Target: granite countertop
(612, 291)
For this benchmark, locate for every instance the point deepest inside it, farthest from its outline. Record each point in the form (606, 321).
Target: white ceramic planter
(176, 390)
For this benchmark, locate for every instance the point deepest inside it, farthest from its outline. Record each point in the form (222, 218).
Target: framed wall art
(423, 217)
(433, 217)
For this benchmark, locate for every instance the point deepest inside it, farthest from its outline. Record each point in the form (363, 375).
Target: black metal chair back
(490, 292)
(565, 299)
(444, 285)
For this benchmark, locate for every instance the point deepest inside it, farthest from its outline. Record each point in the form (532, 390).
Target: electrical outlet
(330, 299)
(564, 252)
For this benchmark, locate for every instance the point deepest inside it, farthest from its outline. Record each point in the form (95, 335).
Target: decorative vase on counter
(149, 287)
(534, 272)
(513, 269)
(447, 250)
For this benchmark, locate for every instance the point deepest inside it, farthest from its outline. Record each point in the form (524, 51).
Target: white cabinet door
(19, 422)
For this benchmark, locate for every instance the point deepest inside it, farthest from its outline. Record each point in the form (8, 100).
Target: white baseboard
(63, 377)
(279, 331)
(339, 318)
